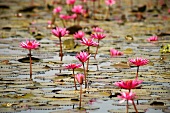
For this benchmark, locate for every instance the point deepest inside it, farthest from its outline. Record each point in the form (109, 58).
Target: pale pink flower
(129, 96)
(64, 17)
(98, 36)
(57, 10)
(30, 44)
(73, 16)
(110, 2)
(73, 66)
(78, 9)
(79, 35)
(70, 2)
(80, 78)
(129, 84)
(139, 61)
(60, 32)
(83, 56)
(114, 52)
(152, 38)
(97, 29)
(89, 42)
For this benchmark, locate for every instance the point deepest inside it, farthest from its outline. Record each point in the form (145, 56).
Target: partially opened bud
(80, 78)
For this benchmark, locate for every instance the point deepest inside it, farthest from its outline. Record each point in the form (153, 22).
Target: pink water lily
(98, 36)
(97, 29)
(130, 96)
(80, 78)
(57, 9)
(79, 35)
(83, 56)
(77, 9)
(129, 84)
(152, 38)
(110, 2)
(70, 2)
(64, 17)
(30, 44)
(139, 61)
(114, 52)
(88, 42)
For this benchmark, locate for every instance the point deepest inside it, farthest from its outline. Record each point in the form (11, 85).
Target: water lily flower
(110, 2)
(139, 62)
(114, 52)
(30, 45)
(73, 66)
(70, 2)
(64, 17)
(152, 38)
(83, 56)
(60, 32)
(98, 36)
(77, 9)
(88, 41)
(129, 97)
(97, 29)
(57, 10)
(79, 35)
(129, 84)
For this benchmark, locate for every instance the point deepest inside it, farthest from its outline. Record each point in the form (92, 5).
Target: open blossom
(78, 9)
(97, 29)
(60, 32)
(114, 52)
(30, 44)
(80, 78)
(73, 16)
(130, 96)
(88, 42)
(83, 56)
(152, 38)
(73, 66)
(57, 10)
(79, 35)
(129, 84)
(139, 61)
(98, 36)
(70, 2)
(110, 2)
(64, 17)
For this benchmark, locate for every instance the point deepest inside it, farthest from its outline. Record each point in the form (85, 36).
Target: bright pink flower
(60, 32)
(70, 2)
(77, 9)
(129, 84)
(114, 52)
(84, 1)
(127, 96)
(73, 66)
(139, 61)
(64, 17)
(83, 56)
(30, 44)
(88, 42)
(97, 29)
(110, 2)
(169, 11)
(57, 10)
(98, 36)
(73, 16)
(80, 78)
(79, 35)
(152, 38)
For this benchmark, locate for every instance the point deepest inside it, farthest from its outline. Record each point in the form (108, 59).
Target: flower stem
(127, 107)
(96, 51)
(30, 64)
(61, 53)
(134, 106)
(137, 72)
(85, 76)
(80, 96)
(87, 67)
(74, 80)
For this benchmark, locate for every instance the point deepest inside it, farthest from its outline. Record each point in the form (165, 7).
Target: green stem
(74, 80)
(30, 64)
(134, 106)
